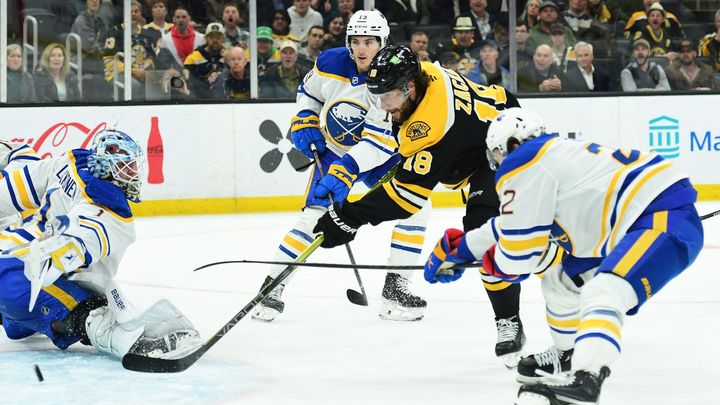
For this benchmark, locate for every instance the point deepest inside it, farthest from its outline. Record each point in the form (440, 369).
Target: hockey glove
(450, 250)
(336, 228)
(305, 131)
(490, 268)
(338, 181)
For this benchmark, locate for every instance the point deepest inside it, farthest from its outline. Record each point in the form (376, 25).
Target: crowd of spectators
(199, 49)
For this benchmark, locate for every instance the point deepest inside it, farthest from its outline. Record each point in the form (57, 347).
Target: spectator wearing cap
(182, 40)
(543, 75)
(540, 33)
(267, 53)
(405, 12)
(204, 65)
(234, 34)
(462, 44)
(710, 43)
(234, 81)
(524, 55)
(659, 37)
(642, 74)
(419, 44)
(281, 28)
(687, 73)
(302, 17)
(584, 26)
(585, 76)
(639, 20)
(488, 71)
(562, 53)
(287, 72)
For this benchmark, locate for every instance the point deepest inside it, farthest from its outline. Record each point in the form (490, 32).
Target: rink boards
(226, 158)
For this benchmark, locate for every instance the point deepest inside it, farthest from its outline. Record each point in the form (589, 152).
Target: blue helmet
(118, 159)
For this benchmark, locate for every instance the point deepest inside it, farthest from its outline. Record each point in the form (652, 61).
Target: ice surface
(324, 350)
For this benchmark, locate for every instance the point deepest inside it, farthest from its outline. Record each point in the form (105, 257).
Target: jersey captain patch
(417, 130)
(344, 122)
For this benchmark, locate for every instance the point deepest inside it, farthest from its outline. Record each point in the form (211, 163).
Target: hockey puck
(38, 373)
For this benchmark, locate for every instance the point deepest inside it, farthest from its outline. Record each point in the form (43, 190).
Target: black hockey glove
(336, 228)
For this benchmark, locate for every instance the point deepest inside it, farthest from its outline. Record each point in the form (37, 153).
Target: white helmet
(370, 23)
(517, 123)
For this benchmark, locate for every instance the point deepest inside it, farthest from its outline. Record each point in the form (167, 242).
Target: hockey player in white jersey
(57, 270)
(353, 136)
(13, 210)
(627, 220)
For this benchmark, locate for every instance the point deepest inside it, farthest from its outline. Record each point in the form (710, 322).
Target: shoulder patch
(417, 130)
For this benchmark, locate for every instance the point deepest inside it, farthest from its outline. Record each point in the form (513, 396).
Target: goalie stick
(352, 295)
(147, 364)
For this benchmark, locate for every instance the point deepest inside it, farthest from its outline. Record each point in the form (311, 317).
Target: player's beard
(406, 110)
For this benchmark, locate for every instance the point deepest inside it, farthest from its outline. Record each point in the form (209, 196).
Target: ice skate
(398, 303)
(552, 361)
(569, 388)
(271, 306)
(511, 340)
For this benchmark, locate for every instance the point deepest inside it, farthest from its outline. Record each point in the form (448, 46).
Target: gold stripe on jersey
(637, 251)
(332, 75)
(522, 245)
(427, 125)
(402, 202)
(22, 191)
(14, 239)
(534, 160)
(660, 221)
(415, 239)
(60, 295)
(414, 188)
(386, 141)
(495, 286)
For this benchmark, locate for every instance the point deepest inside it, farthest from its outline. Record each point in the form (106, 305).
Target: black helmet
(392, 68)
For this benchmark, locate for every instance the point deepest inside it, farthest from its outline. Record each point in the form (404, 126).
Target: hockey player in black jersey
(441, 121)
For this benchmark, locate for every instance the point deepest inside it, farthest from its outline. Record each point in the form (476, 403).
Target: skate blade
(531, 398)
(523, 379)
(511, 360)
(265, 314)
(392, 311)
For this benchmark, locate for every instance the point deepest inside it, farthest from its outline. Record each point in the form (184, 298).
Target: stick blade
(357, 298)
(145, 364)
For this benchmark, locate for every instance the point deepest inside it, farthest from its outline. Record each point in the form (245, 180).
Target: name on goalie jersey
(66, 181)
(417, 130)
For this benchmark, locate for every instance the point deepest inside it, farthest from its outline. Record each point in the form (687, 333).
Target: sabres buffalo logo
(344, 122)
(417, 130)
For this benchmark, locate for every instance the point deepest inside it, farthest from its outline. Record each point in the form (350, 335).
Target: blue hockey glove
(338, 181)
(450, 250)
(305, 131)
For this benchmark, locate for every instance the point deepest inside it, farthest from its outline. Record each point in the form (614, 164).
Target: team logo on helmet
(417, 130)
(344, 122)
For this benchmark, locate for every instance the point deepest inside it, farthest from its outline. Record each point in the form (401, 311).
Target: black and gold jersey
(443, 141)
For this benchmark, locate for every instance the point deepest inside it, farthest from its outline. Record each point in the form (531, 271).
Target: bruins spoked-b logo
(417, 130)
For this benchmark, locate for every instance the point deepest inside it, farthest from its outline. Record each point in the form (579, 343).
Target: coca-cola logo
(61, 137)
(270, 161)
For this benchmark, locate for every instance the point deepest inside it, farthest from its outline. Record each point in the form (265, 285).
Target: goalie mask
(118, 159)
(512, 127)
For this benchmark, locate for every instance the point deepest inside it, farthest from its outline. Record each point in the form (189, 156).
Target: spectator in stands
(639, 20)
(543, 75)
(182, 39)
(488, 71)
(287, 72)
(327, 8)
(448, 60)
(563, 54)
(281, 28)
(501, 32)
(584, 26)
(585, 76)
(524, 55)
(316, 38)
(234, 34)
(483, 21)
(53, 81)
(91, 29)
(462, 44)
(657, 35)
(687, 73)
(346, 8)
(205, 64)
(404, 12)
(20, 85)
(267, 53)
(600, 12)
(234, 81)
(335, 33)
(419, 43)
(302, 17)
(540, 33)
(710, 43)
(159, 26)
(531, 14)
(642, 74)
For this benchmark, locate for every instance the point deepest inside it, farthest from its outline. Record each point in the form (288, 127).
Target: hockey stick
(147, 364)
(352, 295)
(710, 215)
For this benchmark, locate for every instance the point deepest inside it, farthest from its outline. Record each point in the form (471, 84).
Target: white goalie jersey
(350, 117)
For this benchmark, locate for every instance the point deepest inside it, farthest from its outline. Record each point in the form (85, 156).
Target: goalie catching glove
(305, 131)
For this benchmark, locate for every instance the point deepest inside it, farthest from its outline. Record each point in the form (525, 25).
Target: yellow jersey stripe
(419, 190)
(401, 202)
(384, 141)
(534, 160)
(332, 76)
(635, 253)
(21, 189)
(660, 220)
(294, 243)
(60, 295)
(601, 324)
(520, 245)
(496, 286)
(101, 236)
(416, 239)
(570, 323)
(13, 238)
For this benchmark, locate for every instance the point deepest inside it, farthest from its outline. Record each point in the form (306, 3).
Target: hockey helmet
(117, 158)
(514, 125)
(392, 68)
(370, 23)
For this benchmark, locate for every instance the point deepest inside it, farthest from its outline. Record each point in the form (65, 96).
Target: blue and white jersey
(16, 154)
(583, 196)
(350, 117)
(97, 211)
